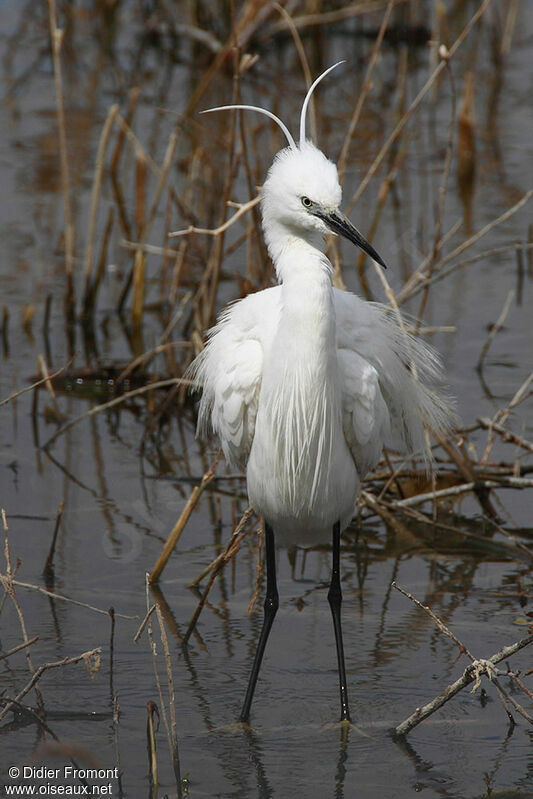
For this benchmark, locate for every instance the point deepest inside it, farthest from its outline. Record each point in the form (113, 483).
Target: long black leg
(270, 607)
(335, 600)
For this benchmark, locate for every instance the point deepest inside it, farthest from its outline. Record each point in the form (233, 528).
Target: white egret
(305, 384)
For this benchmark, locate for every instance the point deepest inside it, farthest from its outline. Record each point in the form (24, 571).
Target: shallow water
(124, 489)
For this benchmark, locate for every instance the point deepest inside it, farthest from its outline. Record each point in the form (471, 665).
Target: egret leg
(335, 601)
(270, 608)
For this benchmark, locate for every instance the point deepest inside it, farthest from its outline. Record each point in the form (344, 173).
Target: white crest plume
(308, 97)
(264, 111)
(277, 120)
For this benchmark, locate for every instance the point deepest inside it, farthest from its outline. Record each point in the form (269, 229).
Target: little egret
(305, 384)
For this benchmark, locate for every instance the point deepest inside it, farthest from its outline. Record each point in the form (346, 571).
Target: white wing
(387, 382)
(230, 368)
(386, 377)
(365, 416)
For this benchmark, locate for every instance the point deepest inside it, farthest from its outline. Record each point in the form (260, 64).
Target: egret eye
(306, 202)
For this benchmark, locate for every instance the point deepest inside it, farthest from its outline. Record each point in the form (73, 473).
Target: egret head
(301, 188)
(302, 194)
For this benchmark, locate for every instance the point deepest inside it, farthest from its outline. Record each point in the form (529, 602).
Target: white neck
(307, 321)
(284, 244)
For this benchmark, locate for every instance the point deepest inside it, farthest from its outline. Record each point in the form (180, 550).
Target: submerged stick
(469, 676)
(48, 571)
(217, 565)
(86, 656)
(472, 673)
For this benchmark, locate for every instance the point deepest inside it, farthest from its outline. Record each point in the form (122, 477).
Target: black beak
(340, 224)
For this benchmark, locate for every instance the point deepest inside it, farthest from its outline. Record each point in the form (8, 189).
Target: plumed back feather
(408, 371)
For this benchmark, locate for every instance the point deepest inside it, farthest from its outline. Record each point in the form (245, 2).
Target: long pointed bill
(340, 224)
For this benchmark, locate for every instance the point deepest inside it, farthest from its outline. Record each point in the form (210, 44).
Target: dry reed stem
(160, 173)
(417, 277)
(483, 232)
(48, 384)
(133, 98)
(495, 328)
(116, 722)
(252, 16)
(148, 356)
(153, 650)
(152, 711)
(178, 528)
(390, 179)
(161, 346)
(140, 192)
(63, 598)
(232, 547)
(56, 38)
(242, 209)
(367, 83)
(443, 53)
(507, 436)
(440, 624)
(46, 377)
(236, 537)
(209, 287)
(137, 306)
(383, 193)
(172, 733)
(8, 584)
(153, 249)
(465, 466)
(390, 520)
(298, 44)
(437, 277)
(35, 385)
(100, 269)
(17, 648)
(139, 264)
(422, 266)
(414, 105)
(48, 569)
(332, 17)
(167, 162)
(95, 197)
(509, 26)
(512, 546)
(464, 488)
(143, 624)
(171, 381)
(516, 549)
(503, 414)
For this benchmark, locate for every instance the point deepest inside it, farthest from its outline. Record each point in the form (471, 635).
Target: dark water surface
(124, 488)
